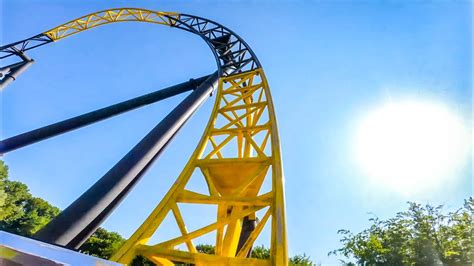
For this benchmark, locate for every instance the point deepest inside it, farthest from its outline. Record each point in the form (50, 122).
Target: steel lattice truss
(239, 150)
(25, 45)
(229, 49)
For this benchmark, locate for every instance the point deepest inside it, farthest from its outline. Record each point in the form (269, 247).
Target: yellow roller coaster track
(239, 150)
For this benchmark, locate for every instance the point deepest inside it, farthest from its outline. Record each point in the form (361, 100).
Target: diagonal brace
(70, 124)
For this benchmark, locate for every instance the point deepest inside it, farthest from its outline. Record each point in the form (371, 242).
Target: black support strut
(78, 221)
(58, 128)
(248, 226)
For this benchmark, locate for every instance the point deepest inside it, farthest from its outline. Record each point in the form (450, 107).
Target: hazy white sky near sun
(331, 66)
(412, 147)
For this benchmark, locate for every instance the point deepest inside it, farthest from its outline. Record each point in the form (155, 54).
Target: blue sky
(328, 64)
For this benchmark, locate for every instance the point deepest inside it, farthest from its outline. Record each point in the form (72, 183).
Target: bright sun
(411, 146)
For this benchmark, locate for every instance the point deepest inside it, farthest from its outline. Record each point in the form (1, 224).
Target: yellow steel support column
(238, 151)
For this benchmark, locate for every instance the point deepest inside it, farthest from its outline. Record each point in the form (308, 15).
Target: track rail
(237, 56)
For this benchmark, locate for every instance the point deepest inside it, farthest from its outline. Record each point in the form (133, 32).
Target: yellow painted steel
(239, 150)
(110, 16)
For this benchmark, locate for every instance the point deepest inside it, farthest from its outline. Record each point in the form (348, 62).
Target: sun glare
(412, 146)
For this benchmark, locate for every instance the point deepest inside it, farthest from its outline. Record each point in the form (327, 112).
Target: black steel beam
(248, 226)
(67, 125)
(78, 221)
(80, 238)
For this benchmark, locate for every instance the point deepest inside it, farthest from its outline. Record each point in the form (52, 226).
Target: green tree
(23, 214)
(260, 252)
(205, 248)
(3, 195)
(142, 261)
(20, 212)
(300, 260)
(422, 235)
(3, 171)
(102, 243)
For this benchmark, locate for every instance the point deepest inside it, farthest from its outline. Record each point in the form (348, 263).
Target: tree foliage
(205, 248)
(142, 261)
(422, 235)
(260, 252)
(3, 195)
(102, 243)
(23, 214)
(300, 260)
(20, 212)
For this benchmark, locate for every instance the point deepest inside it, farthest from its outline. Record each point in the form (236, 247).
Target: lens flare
(412, 146)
